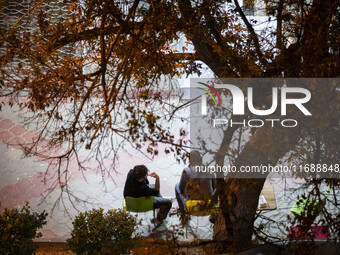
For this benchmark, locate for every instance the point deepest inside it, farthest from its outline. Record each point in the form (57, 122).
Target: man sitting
(137, 185)
(193, 186)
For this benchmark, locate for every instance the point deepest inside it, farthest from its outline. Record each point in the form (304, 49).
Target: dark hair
(195, 158)
(140, 171)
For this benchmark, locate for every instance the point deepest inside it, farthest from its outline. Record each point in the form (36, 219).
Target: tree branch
(251, 30)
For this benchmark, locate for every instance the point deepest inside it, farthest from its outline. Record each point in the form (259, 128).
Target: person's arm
(157, 184)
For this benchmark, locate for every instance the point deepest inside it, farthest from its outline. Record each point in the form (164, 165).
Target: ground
(153, 247)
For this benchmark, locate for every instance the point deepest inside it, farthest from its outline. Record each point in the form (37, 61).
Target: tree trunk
(239, 196)
(234, 227)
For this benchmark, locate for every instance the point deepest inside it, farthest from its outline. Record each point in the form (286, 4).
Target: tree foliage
(19, 228)
(96, 232)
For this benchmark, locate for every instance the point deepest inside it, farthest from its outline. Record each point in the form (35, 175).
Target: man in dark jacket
(137, 185)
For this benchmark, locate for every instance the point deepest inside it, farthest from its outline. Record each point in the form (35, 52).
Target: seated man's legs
(181, 200)
(164, 206)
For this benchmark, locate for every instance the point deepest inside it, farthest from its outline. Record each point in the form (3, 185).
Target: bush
(97, 233)
(18, 228)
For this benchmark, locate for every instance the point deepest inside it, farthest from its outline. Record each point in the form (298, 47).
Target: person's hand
(154, 175)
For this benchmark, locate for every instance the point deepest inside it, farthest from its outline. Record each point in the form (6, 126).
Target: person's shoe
(184, 219)
(173, 211)
(156, 222)
(212, 218)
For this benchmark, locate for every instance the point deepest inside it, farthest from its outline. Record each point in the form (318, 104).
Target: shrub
(96, 232)
(18, 228)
